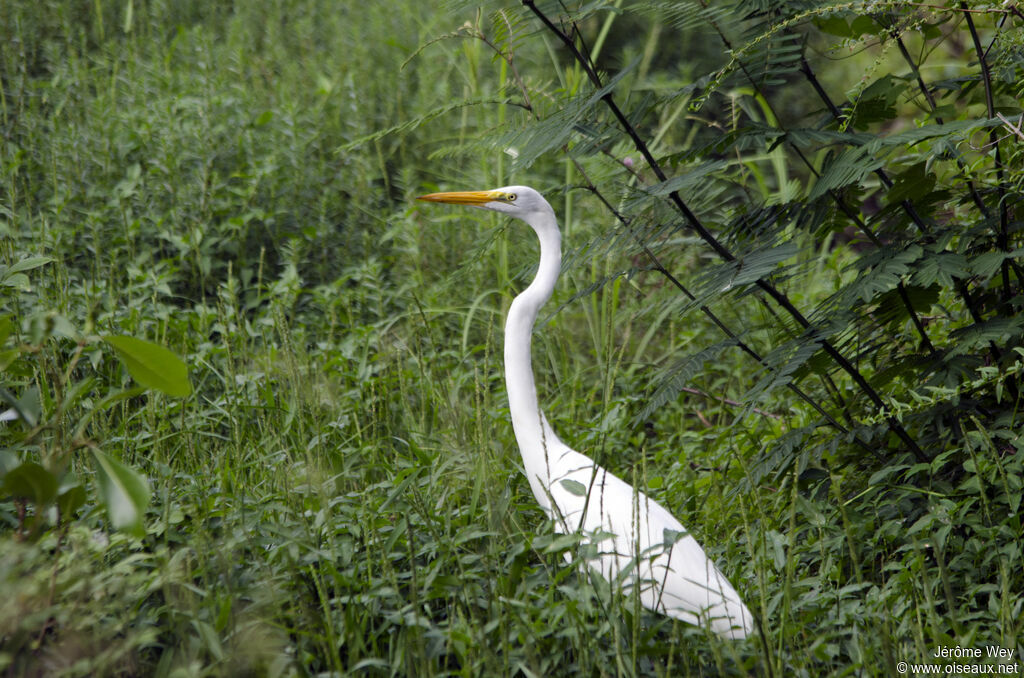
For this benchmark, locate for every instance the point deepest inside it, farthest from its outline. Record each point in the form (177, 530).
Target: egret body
(639, 543)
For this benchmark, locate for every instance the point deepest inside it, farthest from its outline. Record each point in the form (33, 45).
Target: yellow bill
(463, 197)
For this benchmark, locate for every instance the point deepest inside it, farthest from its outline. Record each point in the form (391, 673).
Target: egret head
(515, 201)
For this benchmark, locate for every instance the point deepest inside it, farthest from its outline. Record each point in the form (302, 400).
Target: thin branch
(660, 268)
(781, 299)
(907, 205)
(836, 197)
(965, 10)
(740, 344)
(1003, 239)
(932, 106)
(728, 401)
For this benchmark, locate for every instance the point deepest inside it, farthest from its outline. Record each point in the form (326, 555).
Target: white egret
(636, 539)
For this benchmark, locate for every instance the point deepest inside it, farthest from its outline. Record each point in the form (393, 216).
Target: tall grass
(342, 494)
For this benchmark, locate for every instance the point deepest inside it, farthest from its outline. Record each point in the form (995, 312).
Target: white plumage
(639, 543)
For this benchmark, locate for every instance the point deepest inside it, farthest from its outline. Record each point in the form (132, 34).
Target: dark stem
(930, 99)
(907, 205)
(836, 197)
(781, 299)
(660, 268)
(743, 346)
(1002, 239)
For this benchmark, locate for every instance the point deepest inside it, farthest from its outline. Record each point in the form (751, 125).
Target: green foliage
(54, 415)
(790, 309)
(940, 280)
(152, 365)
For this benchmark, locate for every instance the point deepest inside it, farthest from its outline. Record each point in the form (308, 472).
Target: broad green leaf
(885, 87)
(912, 184)
(152, 365)
(6, 327)
(562, 542)
(27, 407)
(123, 492)
(8, 357)
(575, 487)
(863, 24)
(8, 461)
(882, 476)
(69, 499)
(811, 513)
(27, 265)
(19, 280)
(834, 25)
(48, 324)
(31, 481)
(669, 538)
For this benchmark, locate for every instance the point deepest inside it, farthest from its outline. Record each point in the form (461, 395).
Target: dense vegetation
(790, 309)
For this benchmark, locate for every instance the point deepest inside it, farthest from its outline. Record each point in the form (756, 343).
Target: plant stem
(780, 298)
(836, 197)
(743, 346)
(907, 205)
(1002, 239)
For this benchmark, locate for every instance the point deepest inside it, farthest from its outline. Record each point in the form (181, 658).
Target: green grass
(341, 493)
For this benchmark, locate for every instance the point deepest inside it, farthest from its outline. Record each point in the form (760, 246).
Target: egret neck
(528, 421)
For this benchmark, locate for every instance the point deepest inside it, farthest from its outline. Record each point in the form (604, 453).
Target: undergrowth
(789, 310)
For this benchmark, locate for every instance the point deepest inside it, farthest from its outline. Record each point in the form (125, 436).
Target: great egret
(636, 539)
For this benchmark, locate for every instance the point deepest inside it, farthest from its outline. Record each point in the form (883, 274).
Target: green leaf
(912, 184)
(958, 129)
(27, 407)
(940, 267)
(27, 265)
(123, 492)
(70, 497)
(671, 384)
(888, 266)
(152, 365)
(977, 336)
(6, 327)
(264, 118)
(885, 88)
(19, 280)
(848, 167)
(688, 180)
(574, 487)
(987, 264)
(31, 481)
(8, 357)
(8, 461)
(103, 404)
(669, 538)
(834, 25)
(561, 542)
(862, 25)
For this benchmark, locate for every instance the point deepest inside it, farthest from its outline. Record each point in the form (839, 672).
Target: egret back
(639, 544)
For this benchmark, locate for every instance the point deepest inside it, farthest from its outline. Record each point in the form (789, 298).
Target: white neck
(535, 438)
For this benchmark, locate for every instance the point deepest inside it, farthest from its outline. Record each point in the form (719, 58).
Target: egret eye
(510, 197)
